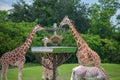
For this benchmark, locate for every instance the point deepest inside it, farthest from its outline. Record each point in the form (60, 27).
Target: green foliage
(104, 38)
(48, 12)
(13, 35)
(107, 49)
(20, 12)
(94, 41)
(100, 18)
(3, 15)
(68, 39)
(111, 50)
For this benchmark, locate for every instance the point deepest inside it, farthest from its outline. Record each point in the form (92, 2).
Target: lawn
(33, 72)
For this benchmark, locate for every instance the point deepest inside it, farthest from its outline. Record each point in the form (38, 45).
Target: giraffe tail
(104, 73)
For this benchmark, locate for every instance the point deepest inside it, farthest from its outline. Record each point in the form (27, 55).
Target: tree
(21, 12)
(118, 22)
(48, 12)
(100, 17)
(116, 35)
(3, 15)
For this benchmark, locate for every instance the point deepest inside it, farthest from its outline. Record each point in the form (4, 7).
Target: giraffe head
(38, 28)
(65, 21)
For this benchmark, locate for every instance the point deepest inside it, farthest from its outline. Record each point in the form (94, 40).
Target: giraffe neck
(80, 41)
(27, 42)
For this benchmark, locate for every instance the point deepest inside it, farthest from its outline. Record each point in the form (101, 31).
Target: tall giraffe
(85, 54)
(16, 57)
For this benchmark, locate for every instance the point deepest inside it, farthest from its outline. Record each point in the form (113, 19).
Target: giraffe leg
(50, 74)
(43, 69)
(4, 71)
(44, 75)
(2, 74)
(20, 67)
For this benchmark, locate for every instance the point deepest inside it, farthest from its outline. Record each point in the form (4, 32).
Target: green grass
(34, 72)
(65, 50)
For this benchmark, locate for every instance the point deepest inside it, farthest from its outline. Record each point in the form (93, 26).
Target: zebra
(88, 73)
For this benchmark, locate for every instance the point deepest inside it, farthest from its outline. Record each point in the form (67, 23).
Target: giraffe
(16, 57)
(47, 67)
(85, 54)
(47, 63)
(88, 73)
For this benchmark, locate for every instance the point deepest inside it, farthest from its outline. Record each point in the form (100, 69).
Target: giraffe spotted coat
(16, 57)
(85, 54)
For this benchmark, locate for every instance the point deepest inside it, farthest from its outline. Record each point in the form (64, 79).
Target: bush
(12, 35)
(107, 49)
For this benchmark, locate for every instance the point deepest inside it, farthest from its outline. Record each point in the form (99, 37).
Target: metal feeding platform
(52, 56)
(54, 49)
